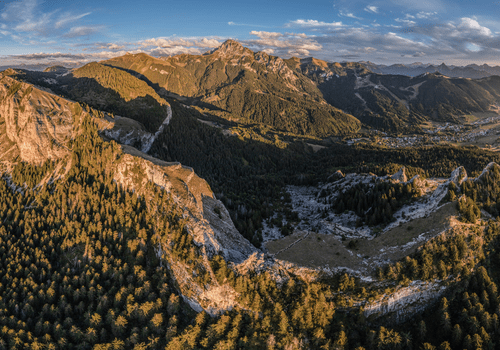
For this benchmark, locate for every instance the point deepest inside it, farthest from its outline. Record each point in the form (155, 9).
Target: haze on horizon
(385, 31)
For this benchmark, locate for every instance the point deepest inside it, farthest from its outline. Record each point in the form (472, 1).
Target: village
(483, 133)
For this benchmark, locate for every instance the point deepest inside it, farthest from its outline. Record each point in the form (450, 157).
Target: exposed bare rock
(209, 223)
(233, 245)
(400, 175)
(406, 302)
(417, 180)
(35, 125)
(459, 175)
(486, 170)
(231, 48)
(130, 132)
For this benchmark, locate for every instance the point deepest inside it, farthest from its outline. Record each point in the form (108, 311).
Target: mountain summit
(243, 86)
(231, 48)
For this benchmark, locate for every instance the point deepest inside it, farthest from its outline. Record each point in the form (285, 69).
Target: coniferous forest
(80, 269)
(96, 258)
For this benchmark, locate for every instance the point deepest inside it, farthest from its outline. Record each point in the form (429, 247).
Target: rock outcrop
(400, 175)
(405, 302)
(36, 125)
(488, 168)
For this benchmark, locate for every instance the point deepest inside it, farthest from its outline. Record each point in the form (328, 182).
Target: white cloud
(109, 46)
(172, 43)
(39, 24)
(371, 9)
(464, 37)
(266, 35)
(70, 57)
(19, 10)
(298, 52)
(208, 43)
(176, 50)
(231, 23)
(25, 19)
(472, 26)
(425, 15)
(283, 44)
(67, 18)
(406, 21)
(82, 31)
(312, 23)
(348, 14)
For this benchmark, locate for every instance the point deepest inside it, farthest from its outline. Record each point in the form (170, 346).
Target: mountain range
(211, 202)
(307, 97)
(472, 71)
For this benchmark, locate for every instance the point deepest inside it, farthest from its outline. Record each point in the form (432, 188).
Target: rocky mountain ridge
(472, 71)
(38, 126)
(396, 102)
(239, 85)
(308, 97)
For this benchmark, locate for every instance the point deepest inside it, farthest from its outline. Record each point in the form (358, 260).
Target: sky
(50, 32)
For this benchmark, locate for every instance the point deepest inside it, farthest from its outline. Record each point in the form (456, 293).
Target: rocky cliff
(405, 302)
(36, 125)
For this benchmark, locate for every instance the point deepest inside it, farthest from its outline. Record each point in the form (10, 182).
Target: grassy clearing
(320, 250)
(315, 250)
(315, 148)
(405, 233)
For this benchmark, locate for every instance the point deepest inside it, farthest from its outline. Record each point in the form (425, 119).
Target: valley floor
(364, 255)
(325, 239)
(483, 130)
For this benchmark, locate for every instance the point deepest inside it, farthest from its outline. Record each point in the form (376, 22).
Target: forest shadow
(145, 109)
(169, 94)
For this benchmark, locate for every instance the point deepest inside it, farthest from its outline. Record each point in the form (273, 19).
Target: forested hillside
(236, 84)
(398, 103)
(103, 246)
(250, 176)
(69, 281)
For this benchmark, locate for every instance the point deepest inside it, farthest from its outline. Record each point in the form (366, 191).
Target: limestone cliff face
(405, 302)
(209, 223)
(36, 125)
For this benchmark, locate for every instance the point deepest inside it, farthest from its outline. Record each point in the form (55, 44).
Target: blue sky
(382, 31)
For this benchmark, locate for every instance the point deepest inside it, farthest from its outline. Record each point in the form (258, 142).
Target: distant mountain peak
(231, 47)
(230, 43)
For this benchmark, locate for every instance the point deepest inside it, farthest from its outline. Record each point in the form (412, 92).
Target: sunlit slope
(243, 86)
(108, 88)
(397, 102)
(34, 124)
